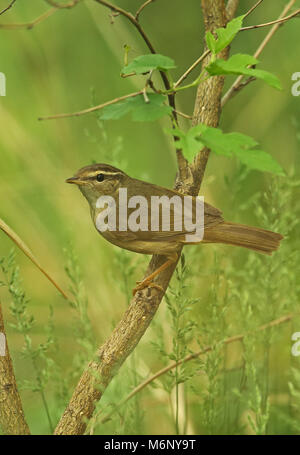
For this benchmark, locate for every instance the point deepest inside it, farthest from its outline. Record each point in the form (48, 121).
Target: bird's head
(98, 180)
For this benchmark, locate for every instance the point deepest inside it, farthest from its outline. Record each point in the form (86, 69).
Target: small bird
(104, 181)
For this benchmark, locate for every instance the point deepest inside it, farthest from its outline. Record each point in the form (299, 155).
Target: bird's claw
(146, 284)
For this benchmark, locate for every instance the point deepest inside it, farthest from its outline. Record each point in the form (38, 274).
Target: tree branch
(191, 68)
(267, 24)
(141, 8)
(8, 7)
(142, 308)
(12, 419)
(29, 25)
(93, 108)
(253, 8)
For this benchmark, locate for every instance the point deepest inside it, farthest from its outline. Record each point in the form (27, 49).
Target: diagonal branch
(12, 419)
(253, 8)
(141, 8)
(8, 7)
(191, 68)
(93, 108)
(29, 25)
(277, 21)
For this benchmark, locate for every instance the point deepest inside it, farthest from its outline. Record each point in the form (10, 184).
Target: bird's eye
(100, 178)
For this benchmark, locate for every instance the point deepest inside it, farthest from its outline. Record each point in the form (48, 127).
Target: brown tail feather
(245, 236)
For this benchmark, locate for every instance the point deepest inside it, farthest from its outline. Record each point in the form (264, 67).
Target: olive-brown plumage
(104, 180)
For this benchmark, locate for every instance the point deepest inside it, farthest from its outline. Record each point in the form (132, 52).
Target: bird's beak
(75, 180)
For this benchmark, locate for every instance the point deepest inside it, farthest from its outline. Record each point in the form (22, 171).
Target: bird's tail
(254, 238)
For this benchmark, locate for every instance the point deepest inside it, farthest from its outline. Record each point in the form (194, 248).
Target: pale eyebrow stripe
(90, 174)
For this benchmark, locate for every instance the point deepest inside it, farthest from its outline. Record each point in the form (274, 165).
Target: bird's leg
(148, 281)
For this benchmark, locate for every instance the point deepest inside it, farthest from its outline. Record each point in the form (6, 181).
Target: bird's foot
(146, 284)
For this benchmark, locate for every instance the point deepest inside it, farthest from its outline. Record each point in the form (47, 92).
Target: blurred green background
(71, 61)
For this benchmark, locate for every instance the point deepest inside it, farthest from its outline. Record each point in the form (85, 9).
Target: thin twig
(253, 8)
(146, 98)
(92, 109)
(8, 7)
(277, 21)
(191, 68)
(182, 114)
(190, 357)
(137, 16)
(29, 25)
(236, 85)
(132, 19)
(124, 76)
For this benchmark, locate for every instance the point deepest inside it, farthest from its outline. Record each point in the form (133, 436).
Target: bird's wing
(151, 221)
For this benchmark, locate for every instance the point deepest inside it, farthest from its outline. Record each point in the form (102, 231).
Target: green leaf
(115, 111)
(238, 64)
(148, 112)
(146, 63)
(139, 109)
(189, 142)
(211, 42)
(231, 144)
(225, 35)
(215, 140)
(259, 160)
(267, 77)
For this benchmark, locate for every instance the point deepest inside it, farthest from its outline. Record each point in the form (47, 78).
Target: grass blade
(20, 244)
